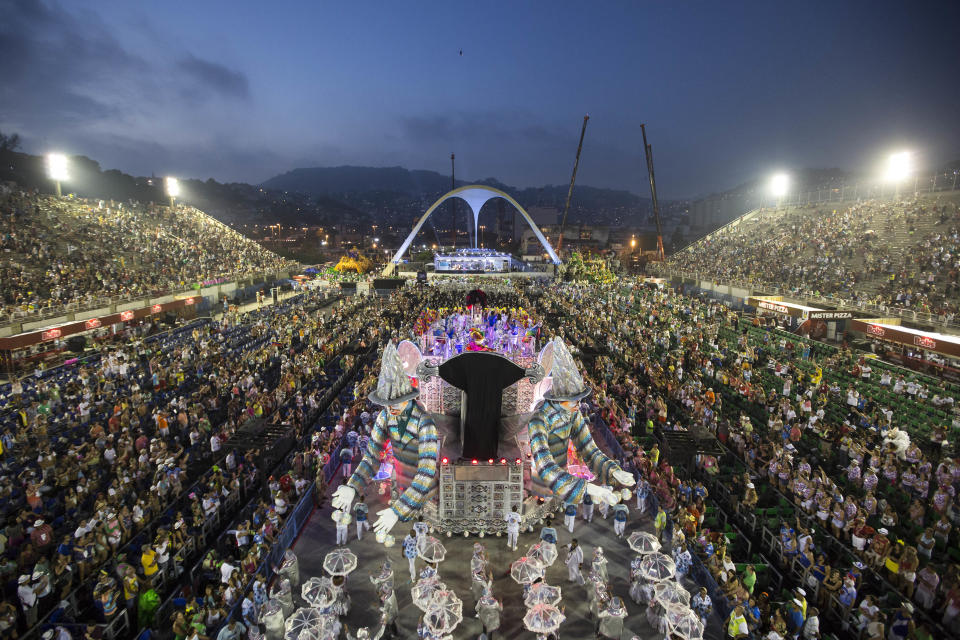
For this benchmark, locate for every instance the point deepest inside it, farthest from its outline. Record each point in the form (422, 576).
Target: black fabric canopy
(483, 376)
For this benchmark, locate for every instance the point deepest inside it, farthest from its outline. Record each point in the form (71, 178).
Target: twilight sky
(239, 90)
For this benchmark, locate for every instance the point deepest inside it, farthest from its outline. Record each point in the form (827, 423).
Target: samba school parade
(480, 434)
(367, 321)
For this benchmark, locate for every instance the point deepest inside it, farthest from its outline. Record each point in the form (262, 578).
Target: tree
(9, 142)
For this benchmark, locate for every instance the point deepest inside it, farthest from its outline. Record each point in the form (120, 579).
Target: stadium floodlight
(57, 169)
(779, 184)
(172, 186)
(899, 166)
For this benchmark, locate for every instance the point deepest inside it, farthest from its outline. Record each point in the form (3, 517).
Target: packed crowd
(58, 252)
(850, 254)
(676, 362)
(659, 361)
(119, 465)
(96, 456)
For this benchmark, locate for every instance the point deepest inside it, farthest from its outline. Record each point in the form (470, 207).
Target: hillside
(231, 203)
(318, 181)
(400, 191)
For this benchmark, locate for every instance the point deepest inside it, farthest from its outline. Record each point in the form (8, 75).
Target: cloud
(521, 148)
(216, 77)
(67, 78)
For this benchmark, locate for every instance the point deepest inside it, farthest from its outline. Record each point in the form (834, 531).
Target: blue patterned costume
(550, 429)
(413, 437)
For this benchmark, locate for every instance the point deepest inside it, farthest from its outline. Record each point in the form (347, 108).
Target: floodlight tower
(899, 168)
(173, 189)
(779, 185)
(57, 169)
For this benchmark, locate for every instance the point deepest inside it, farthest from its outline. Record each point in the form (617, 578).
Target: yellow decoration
(360, 264)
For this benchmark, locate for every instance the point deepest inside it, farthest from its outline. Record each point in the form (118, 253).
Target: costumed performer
(557, 422)
(413, 436)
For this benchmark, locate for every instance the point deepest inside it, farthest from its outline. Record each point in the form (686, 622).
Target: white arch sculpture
(476, 196)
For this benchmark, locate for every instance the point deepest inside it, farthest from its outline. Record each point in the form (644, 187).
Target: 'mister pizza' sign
(830, 315)
(772, 306)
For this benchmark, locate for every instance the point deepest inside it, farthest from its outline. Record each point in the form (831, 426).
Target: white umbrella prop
(657, 566)
(684, 622)
(431, 550)
(643, 542)
(444, 612)
(271, 617)
(543, 618)
(545, 552)
(422, 591)
(668, 592)
(542, 593)
(526, 570)
(340, 562)
(306, 634)
(303, 619)
(329, 626)
(318, 592)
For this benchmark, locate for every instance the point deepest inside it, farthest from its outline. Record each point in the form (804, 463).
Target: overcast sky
(245, 90)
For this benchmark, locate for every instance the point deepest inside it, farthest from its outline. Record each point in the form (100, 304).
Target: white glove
(386, 519)
(598, 494)
(624, 477)
(343, 497)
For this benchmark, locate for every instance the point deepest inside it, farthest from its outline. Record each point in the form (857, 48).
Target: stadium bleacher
(883, 253)
(58, 254)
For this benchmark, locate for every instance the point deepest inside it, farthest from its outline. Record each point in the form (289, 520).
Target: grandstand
(71, 254)
(879, 255)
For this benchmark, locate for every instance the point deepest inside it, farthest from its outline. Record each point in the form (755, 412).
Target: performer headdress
(393, 386)
(567, 381)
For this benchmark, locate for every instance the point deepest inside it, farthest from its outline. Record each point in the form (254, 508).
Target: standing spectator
(737, 624)
(131, 591)
(28, 600)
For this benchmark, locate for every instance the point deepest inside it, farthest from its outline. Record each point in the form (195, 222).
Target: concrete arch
(475, 196)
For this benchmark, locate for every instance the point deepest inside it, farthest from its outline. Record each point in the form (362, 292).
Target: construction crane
(653, 192)
(573, 178)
